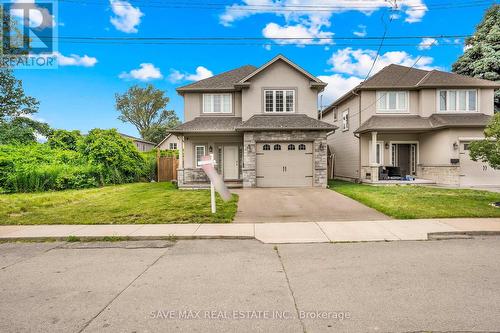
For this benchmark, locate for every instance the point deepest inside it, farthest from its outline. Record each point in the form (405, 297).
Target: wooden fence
(167, 168)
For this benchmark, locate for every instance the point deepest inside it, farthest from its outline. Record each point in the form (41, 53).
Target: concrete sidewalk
(273, 233)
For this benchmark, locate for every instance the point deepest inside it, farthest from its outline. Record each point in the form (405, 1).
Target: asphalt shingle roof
(208, 125)
(284, 122)
(223, 81)
(416, 123)
(402, 77)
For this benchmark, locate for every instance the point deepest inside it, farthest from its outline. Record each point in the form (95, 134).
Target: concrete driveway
(300, 205)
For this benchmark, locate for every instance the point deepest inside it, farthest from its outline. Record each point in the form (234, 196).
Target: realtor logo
(29, 34)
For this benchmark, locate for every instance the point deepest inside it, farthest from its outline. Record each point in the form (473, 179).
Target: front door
(231, 162)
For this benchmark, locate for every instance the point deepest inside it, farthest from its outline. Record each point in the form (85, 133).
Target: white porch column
(181, 152)
(373, 160)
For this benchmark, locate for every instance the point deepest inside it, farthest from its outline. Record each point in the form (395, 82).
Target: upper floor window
(345, 120)
(279, 100)
(392, 101)
(457, 100)
(217, 103)
(172, 145)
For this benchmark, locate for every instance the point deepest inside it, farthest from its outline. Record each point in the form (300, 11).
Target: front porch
(391, 158)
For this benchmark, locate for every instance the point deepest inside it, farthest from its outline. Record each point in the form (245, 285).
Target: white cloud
(427, 43)
(75, 60)
(146, 72)
(296, 11)
(337, 86)
(127, 17)
(359, 61)
(200, 74)
(414, 9)
(274, 30)
(361, 32)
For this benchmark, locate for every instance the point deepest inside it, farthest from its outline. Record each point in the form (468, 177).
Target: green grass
(137, 203)
(417, 202)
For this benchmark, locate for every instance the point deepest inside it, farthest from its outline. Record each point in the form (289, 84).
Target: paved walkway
(274, 233)
(277, 205)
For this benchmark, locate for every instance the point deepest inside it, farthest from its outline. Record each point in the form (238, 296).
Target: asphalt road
(243, 285)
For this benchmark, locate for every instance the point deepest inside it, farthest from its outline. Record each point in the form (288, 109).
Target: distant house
(171, 142)
(141, 144)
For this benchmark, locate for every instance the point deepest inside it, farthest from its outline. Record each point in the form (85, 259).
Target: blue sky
(80, 93)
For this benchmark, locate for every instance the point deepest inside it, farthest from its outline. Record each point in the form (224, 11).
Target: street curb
(119, 238)
(460, 234)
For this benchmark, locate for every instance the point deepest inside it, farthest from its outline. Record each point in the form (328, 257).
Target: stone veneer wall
(189, 175)
(250, 140)
(441, 174)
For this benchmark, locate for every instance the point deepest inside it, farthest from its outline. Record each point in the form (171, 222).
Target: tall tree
(13, 101)
(481, 58)
(145, 108)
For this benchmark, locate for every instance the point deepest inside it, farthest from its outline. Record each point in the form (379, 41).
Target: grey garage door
(284, 164)
(476, 173)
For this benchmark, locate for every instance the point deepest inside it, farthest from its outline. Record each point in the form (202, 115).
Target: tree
(63, 139)
(22, 130)
(488, 150)
(146, 109)
(482, 51)
(13, 101)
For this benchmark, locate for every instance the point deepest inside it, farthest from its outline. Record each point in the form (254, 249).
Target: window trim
(345, 122)
(170, 145)
(284, 90)
(203, 111)
(438, 101)
(397, 110)
(196, 155)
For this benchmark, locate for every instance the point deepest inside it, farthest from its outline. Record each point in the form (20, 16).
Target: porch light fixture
(210, 149)
(386, 145)
(321, 146)
(455, 145)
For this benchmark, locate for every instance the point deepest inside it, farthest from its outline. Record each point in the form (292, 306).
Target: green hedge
(103, 157)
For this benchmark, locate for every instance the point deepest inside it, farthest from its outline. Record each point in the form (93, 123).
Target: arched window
(302, 146)
(291, 147)
(277, 147)
(266, 147)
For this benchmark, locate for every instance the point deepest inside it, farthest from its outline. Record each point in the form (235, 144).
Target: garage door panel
(284, 168)
(477, 173)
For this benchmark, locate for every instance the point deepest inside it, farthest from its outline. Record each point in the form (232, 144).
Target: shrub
(53, 177)
(116, 155)
(62, 139)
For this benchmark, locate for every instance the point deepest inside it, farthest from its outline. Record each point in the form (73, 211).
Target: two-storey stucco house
(411, 122)
(260, 124)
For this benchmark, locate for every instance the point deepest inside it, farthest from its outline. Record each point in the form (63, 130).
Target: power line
(281, 8)
(238, 38)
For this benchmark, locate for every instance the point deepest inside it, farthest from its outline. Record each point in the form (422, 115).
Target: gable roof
(287, 61)
(402, 77)
(223, 81)
(237, 78)
(133, 138)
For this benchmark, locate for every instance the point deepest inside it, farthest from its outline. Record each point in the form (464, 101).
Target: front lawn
(131, 203)
(418, 202)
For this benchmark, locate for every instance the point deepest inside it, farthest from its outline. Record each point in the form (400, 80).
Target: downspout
(359, 137)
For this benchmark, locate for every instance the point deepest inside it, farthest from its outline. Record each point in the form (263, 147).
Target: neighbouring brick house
(414, 122)
(260, 124)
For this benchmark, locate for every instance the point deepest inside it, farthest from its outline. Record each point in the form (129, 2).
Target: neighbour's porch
(391, 158)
